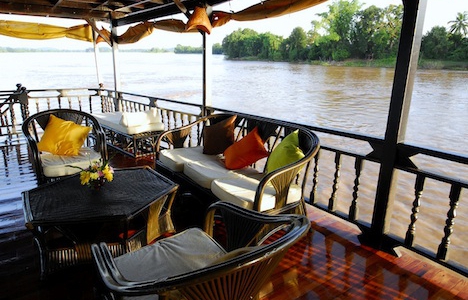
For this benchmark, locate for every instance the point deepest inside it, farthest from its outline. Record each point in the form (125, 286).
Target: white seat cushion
(113, 120)
(241, 190)
(174, 159)
(56, 165)
(189, 250)
(204, 172)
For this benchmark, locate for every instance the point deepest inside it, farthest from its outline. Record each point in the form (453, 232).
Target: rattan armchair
(231, 259)
(49, 167)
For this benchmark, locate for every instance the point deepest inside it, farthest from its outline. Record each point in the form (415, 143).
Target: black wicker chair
(231, 259)
(46, 166)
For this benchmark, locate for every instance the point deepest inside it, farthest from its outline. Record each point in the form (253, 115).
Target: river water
(352, 99)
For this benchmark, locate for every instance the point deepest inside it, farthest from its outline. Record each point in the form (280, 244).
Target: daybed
(132, 133)
(256, 163)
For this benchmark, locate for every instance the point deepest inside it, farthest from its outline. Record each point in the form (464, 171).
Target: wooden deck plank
(329, 263)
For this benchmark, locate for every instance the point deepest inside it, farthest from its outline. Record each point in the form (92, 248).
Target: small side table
(127, 213)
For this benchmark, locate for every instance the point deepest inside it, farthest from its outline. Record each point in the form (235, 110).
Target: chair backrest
(256, 243)
(34, 125)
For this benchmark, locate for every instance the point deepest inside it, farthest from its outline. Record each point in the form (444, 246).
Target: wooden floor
(329, 263)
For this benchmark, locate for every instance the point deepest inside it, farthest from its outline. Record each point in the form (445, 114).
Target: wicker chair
(231, 259)
(49, 167)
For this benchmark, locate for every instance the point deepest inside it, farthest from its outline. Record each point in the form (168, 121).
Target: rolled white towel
(131, 119)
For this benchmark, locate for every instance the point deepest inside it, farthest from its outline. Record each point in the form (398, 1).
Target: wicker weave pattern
(238, 277)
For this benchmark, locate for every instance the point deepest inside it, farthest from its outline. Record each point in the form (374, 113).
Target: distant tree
(270, 46)
(338, 22)
(458, 50)
(296, 45)
(242, 43)
(435, 44)
(187, 49)
(460, 24)
(217, 48)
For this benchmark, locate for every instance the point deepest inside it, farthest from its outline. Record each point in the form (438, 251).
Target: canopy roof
(126, 12)
(132, 11)
(121, 12)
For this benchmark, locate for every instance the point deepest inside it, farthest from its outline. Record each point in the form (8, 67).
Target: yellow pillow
(63, 137)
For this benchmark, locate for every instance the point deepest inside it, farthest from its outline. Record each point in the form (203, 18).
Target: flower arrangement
(96, 174)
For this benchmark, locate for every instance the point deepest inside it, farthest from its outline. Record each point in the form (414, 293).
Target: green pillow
(285, 153)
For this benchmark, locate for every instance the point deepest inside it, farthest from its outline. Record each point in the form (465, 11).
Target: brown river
(350, 99)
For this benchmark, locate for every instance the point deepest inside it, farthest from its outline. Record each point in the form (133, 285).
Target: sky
(438, 13)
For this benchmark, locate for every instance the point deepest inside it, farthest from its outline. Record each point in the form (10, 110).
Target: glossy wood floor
(330, 263)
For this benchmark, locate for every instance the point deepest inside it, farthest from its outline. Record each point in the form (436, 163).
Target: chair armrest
(115, 281)
(282, 178)
(32, 143)
(244, 227)
(175, 138)
(100, 136)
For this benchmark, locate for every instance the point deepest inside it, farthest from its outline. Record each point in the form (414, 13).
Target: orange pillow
(245, 152)
(62, 137)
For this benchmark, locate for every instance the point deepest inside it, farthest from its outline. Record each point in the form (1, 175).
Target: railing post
(406, 65)
(207, 73)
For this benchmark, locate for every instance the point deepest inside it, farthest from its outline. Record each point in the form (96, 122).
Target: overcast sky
(438, 12)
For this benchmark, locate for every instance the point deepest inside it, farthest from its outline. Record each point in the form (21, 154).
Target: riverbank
(426, 64)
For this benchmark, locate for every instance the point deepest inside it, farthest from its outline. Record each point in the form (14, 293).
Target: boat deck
(329, 263)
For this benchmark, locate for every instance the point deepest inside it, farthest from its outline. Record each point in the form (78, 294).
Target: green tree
(296, 45)
(338, 22)
(458, 50)
(242, 43)
(435, 44)
(460, 24)
(270, 46)
(187, 49)
(376, 32)
(217, 48)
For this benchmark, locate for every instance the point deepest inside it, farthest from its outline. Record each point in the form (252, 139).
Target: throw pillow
(219, 136)
(62, 137)
(245, 152)
(285, 153)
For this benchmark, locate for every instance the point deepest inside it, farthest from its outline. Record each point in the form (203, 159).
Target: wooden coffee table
(127, 213)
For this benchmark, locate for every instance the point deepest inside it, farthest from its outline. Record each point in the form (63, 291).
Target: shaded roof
(122, 12)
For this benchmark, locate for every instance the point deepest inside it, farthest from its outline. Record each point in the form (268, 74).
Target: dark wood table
(127, 213)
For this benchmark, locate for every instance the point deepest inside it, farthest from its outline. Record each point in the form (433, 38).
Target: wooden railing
(428, 187)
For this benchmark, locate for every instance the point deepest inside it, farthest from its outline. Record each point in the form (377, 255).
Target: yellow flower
(108, 173)
(84, 177)
(94, 175)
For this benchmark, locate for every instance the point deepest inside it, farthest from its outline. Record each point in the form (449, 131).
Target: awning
(263, 10)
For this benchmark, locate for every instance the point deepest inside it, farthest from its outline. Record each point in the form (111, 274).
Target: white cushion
(189, 250)
(241, 190)
(56, 165)
(113, 120)
(174, 159)
(131, 119)
(204, 172)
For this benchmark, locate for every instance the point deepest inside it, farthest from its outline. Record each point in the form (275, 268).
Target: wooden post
(406, 65)
(96, 60)
(115, 61)
(207, 73)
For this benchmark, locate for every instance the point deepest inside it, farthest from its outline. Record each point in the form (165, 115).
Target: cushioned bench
(254, 162)
(132, 133)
